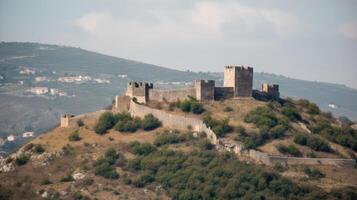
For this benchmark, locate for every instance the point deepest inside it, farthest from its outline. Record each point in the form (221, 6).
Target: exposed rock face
(78, 176)
(6, 167)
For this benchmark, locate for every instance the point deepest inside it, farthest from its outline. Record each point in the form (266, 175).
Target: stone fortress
(238, 83)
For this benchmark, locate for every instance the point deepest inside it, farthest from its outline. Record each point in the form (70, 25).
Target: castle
(238, 83)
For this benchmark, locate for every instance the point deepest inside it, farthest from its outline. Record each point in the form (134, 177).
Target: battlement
(240, 68)
(140, 85)
(139, 90)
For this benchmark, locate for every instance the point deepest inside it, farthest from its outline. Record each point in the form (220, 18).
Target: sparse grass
(67, 178)
(291, 149)
(313, 173)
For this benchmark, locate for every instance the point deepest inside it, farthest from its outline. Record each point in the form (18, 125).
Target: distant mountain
(38, 82)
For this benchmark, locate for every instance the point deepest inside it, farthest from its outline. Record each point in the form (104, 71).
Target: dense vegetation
(269, 125)
(345, 135)
(105, 122)
(190, 105)
(124, 122)
(209, 175)
(313, 142)
(219, 127)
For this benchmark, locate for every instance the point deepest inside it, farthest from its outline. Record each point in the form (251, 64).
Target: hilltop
(77, 81)
(82, 162)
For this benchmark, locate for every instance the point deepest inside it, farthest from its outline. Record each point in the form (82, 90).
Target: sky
(310, 40)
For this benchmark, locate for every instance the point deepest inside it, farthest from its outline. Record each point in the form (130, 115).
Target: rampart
(172, 120)
(171, 95)
(183, 122)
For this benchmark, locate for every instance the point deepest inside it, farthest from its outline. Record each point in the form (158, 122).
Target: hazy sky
(312, 40)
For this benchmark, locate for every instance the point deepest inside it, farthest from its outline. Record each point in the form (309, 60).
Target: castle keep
(238, 83)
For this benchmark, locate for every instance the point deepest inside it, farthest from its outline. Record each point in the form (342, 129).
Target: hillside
(79, 81)
(136, 158)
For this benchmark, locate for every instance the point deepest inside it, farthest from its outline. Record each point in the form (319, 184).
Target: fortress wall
(172, 120)
(182, 122)
(171, 95)
(223, 93)
(92, 115)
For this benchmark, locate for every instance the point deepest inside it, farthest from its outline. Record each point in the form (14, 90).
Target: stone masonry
(238, 83)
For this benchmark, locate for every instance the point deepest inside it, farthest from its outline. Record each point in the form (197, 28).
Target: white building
(41, 78)
(38, 90)
(11, 138)
(27, 134)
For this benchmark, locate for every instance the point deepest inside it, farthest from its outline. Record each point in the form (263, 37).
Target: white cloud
(91, 21)
(248, 19)
(348, 30)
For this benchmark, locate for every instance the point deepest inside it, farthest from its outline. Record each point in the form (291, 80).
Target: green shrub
(313, 142)
(123, 116)
(150, 122)
(22, 160)
(141, 148)
(219, 127)
(185, 106)
(106, 170)
(189, 105)
(300, 139)
(270, 126)
(197, 108)
(105, 122)
(291, 112)
(105, 166)
(143, 179)
(74, 136)
(128, 126)
(167, 138)
(291, 149)
(313, 109)
(313, 173)
(262, 117)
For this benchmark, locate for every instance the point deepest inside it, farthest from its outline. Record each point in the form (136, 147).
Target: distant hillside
(80, 81)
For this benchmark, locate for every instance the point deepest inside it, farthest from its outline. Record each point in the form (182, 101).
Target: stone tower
(139, 90)
(204, 90)
(271, 90)
(240, 78)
